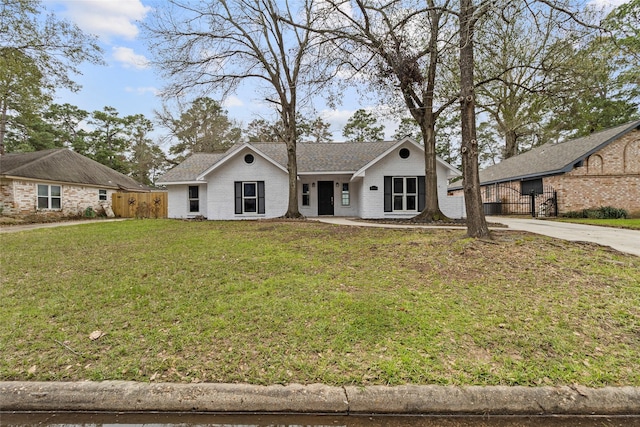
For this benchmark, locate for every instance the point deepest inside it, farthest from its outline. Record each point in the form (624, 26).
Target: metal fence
(509, 200)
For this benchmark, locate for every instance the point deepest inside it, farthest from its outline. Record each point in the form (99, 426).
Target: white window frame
(404, 194)
(102, 195)
(254, 197)
(191, 199)
(345, 194)
(306, 194)
(49, 197)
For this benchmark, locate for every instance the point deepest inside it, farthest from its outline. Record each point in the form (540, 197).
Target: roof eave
(188, 182)
(361, 172)
(233, 153)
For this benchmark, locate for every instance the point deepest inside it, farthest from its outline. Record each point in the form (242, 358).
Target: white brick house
(58, 182)
(367, 180)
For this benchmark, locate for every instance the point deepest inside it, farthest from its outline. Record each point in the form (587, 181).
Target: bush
(605, 212)
(89, 212)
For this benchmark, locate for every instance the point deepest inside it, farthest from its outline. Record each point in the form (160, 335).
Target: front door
(325, 197)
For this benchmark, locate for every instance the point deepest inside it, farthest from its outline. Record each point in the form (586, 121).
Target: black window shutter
(238, 196)
(260, 197)
(388, 206)
(422, 199)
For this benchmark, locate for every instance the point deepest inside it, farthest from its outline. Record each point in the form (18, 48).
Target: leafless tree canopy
(215, 46)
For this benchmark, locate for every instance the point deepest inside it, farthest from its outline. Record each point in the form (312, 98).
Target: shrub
(605, 212)
(89, 212)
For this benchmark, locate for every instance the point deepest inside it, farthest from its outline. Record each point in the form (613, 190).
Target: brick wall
(609, 177)
(19, 197)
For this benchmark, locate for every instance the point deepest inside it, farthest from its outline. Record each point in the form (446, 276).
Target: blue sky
(128, 84)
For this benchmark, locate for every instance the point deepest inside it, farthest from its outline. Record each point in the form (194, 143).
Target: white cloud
(106, 18)
(606, 5)
(129, 59)
(142, 90)
(232, 101)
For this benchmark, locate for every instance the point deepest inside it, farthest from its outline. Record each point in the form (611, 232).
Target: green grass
(633, 224)
(302, 302)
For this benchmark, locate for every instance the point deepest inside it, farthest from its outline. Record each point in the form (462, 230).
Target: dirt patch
(413, 221)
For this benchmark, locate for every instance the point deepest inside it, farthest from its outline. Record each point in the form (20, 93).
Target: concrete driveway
(627, 241)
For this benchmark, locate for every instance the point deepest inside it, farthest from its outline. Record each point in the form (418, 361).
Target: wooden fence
(139, 205)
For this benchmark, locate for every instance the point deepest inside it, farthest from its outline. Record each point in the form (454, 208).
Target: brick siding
(609, 177)
(19, 198)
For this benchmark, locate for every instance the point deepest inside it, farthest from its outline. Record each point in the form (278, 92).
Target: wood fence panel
(139, 205)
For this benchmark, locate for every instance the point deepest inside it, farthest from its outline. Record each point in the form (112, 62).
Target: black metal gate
(509, 199)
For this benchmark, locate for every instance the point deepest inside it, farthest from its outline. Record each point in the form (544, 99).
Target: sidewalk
(26, 227)
(123, 396)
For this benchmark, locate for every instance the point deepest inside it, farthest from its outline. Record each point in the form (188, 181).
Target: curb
(123, 396)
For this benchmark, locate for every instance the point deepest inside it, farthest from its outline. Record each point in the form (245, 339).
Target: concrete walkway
(627, 241)
(26, 227)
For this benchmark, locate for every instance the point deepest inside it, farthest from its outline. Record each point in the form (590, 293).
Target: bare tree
(476, 222)
(397, 44)
(215, 46)
(470, 14)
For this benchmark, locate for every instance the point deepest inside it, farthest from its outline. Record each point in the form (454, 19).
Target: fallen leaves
(96, 335)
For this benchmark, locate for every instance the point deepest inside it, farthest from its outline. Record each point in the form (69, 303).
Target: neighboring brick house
(58, 181)
(601, 169)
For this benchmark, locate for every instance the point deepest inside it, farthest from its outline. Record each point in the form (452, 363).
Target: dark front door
(325, 197)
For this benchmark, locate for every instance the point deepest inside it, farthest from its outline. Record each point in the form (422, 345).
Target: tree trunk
(3, 126)
(427, 121)
(476, 222)
(431, 211)
(288, 116)
(510, 144)
(292, 168)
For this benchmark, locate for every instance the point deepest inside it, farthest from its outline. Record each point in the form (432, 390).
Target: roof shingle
(550, 159)
(312, 157)
(63, 165)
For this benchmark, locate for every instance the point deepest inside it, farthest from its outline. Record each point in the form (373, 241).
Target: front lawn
(303, 302)
(633, 224)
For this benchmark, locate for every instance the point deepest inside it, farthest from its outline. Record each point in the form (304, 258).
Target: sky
(131, 86)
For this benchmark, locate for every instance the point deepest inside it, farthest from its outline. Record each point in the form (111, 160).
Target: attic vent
(248, 159)
(404, 153)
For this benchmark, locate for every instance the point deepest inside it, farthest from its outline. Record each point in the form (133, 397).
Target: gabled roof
(328, 156)
(63, 165)
(553, 158)
(191, 167)
(336, 157)
(234, 151)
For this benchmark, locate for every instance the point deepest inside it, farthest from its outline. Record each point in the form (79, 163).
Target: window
(531, 186)
(248, 159)
(102, 195)
(404, 153)
(487, 192)
(306, 200)
(194, 199)
(249, 197)
(404, 193)
(49, 196)
(345, 194)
